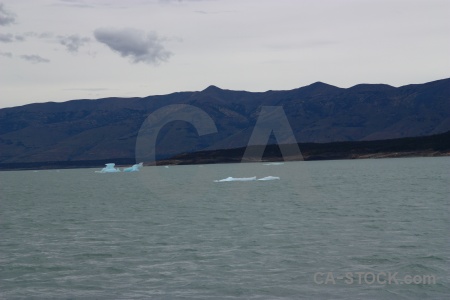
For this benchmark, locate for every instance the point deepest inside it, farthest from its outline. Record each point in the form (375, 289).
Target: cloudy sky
(58, 50)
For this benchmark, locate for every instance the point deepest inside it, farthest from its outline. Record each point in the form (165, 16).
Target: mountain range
(106, 129)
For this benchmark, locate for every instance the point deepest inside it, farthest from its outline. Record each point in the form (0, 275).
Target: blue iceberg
(110, 168)
(134, 168)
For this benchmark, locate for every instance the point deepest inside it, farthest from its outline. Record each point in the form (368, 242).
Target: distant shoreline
(426, 146)
(200, 161)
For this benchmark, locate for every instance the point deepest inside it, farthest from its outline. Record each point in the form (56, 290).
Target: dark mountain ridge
(107, 128)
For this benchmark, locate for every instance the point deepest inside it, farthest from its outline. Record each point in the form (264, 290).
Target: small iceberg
(236, 179)
(134, 168)
(274, 164)
(269, 178)
(110, 168)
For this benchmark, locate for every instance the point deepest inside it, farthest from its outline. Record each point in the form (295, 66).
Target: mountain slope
(107, 128)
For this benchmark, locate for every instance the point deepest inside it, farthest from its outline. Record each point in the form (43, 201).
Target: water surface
(174, 233)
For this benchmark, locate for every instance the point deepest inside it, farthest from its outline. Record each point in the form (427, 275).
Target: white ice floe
(236, 179)
(109, 169)
(269, 178)
(274, 164)
(134, 168)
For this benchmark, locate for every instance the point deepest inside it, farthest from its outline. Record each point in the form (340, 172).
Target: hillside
(97, 130)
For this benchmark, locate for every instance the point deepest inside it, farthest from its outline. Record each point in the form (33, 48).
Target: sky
(59, 50)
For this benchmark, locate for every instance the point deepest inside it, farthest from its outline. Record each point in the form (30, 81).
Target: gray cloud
(96, 4)
(19, 38)
(74, 3)
(134, 43)
(30, 34)
(34, 58)
(73, 42)
(9, 38)
(6, 38)
(6, 17)
(6, 54)
(43, 35)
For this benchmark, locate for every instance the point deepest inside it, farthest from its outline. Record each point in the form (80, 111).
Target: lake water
(350, 229)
